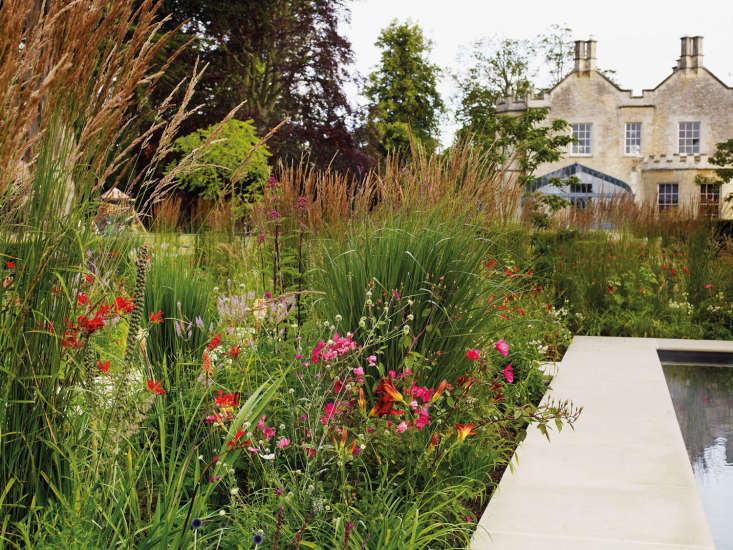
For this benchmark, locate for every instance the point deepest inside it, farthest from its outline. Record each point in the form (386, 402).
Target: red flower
(89, 278)
(509, 373)
(104, 367)
(156, 318)
(83, 299)
(215, 341)
(610, 288)
(11, 265)
(235, 351)
(123, 305)
(473, 354)
(155, 387)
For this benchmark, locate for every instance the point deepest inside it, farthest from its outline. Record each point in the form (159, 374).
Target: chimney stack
(585, 55)
(690, 52)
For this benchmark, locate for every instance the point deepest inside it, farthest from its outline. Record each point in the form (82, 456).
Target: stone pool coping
(622, 478)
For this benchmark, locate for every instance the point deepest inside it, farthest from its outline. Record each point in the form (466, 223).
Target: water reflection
(703, 401)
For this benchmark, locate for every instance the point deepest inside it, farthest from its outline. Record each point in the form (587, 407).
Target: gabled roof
(571, 170)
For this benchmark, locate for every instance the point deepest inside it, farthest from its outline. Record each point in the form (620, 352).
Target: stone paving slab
(621, 479)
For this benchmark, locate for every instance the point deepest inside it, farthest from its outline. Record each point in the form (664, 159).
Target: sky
(639, 39)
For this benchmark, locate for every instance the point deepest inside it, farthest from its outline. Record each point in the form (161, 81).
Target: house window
(633, 138)
(689, 138)
(582, 188)
(669, 195)
(583, 134)
(710, 200)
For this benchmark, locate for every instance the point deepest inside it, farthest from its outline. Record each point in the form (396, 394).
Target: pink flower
(372, 360)
(283, 442)
(252, 450)
(502, 347)
(330, 411)
(508, 373)
(708, 285)
(261, 423)
(316, 355)
(473, 354)
(338, 385)
(268, 432)
(422, 421)
(401, 427)
(359, 371)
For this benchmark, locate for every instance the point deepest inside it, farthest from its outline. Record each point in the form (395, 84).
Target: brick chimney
(585, 55)
(690, 52)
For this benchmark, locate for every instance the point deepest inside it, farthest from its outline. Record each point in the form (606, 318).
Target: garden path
(621, 479)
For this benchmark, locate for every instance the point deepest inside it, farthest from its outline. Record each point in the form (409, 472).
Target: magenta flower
(401, 427)
(502, 347)
(261, 423)
(252, 450)
(509, 373)
(372, 360)
(283, 442)
(473, 354)
(268, 432)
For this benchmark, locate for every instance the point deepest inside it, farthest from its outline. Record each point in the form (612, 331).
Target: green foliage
(423, 269)
(178, 286)
(403, 91)
(222, 158)
(723, 157)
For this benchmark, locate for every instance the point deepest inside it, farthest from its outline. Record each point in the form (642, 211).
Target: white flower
(268, 457)
(235, 490)
(410, 317)
(405, 330)
(222, 512)
(338, 318)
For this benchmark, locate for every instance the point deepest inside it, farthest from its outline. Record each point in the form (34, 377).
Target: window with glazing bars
(583, 188)
(710, 200)
(583, 134)
(669, 195)
(689, 138)
(633, 138)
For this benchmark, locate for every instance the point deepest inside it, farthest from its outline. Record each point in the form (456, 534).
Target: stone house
(653, 145)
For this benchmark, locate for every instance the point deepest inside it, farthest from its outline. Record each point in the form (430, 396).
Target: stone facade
(678, 123)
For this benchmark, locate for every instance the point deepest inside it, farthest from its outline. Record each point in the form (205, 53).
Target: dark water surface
(703, 401)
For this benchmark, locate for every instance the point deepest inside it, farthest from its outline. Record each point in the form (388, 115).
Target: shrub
(222, 159)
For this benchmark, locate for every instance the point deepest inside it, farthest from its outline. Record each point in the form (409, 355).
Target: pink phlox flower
(509, 373)
(401, 427)
(414, 405)
(268, 432)
(422, 421)
(316, 355)
(252, 450)
(283, 442)
(502, 347)
(359, 371)
(391, 374)
(261, 423)
(473, 354)
(372, 360)
(423, 393)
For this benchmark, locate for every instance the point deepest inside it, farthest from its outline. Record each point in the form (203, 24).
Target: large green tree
(403, 90)
(284, 59)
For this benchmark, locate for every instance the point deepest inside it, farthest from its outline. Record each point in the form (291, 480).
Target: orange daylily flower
(392, 391)
(463, 431)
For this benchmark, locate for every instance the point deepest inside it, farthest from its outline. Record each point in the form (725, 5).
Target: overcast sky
(639, 39)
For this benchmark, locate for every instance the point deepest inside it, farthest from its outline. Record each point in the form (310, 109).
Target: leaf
(558, 423)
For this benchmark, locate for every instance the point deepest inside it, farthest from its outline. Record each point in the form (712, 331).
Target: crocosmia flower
(104, 367)
(155, 387)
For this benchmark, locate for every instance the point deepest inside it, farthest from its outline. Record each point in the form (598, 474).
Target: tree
(507, 68)
(403, 90)
(557, 48)
(722, 157)
(222, 158)
(284, 59)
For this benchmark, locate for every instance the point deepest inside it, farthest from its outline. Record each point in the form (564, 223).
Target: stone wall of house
(690, 93)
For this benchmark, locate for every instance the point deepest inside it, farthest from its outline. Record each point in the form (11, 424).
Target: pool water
(703, 401)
